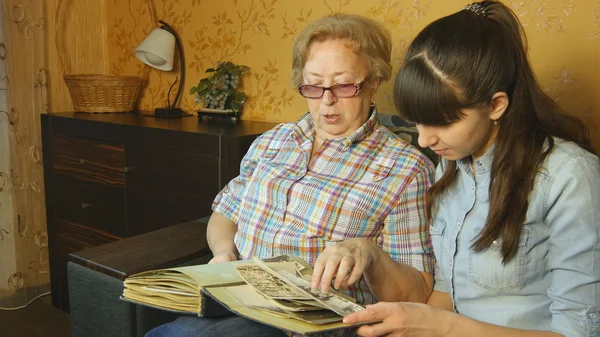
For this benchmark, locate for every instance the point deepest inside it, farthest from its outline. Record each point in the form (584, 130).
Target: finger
(378, 305)
(331, 268)
(379, 329)
(362, 316)
(216, 260)
(222, 258)
(344, 268)
(356, 273)
(318, 270)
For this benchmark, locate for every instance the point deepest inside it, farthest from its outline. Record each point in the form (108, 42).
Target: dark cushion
(97, 311)
(407, 131)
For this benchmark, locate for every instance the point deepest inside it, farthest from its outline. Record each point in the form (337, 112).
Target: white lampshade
(157, 50)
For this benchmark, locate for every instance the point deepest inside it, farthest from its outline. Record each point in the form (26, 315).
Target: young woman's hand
(345, 261)
(401, 319)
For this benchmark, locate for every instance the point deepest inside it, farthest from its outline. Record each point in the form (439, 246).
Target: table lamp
(157, 51)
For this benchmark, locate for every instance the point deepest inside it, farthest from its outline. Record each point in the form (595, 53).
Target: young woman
(515, 209)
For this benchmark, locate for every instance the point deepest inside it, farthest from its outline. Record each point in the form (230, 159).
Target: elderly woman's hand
(345, 261)
(223, 256)
(401, 319)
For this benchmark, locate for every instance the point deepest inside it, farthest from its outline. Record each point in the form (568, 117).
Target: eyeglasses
(339, 90)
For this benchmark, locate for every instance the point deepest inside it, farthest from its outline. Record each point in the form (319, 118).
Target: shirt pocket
(487, 271)
(378, 170)
(592, 325)
(349, 224)
(357, 207)
(436, 231)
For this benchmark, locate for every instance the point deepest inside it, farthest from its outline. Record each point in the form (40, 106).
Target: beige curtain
(24, 265)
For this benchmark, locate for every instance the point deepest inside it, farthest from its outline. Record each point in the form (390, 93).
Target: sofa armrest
(163, 248)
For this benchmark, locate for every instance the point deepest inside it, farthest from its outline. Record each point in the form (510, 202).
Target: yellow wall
(564, 40)
(82, 43)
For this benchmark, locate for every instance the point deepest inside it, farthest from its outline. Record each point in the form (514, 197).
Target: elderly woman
(334, 175)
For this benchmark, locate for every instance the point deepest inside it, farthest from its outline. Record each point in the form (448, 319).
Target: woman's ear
(499, 105)
(374, 88)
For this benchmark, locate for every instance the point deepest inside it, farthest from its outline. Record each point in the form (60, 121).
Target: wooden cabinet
(112, 176)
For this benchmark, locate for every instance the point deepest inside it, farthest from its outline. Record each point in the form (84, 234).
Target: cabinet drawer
(89, 160)
(168, 187)
(72, 237)
(95, 205)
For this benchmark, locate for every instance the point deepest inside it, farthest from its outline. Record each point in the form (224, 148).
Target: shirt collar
(305, 130)
(481, 165)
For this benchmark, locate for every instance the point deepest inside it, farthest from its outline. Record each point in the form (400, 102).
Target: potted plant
(218, 92)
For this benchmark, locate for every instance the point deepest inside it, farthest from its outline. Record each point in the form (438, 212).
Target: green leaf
(203, 85)
(193, 90)
(209, 70)
(239, 97)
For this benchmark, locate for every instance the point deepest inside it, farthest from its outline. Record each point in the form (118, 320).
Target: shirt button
(593, 314)
(496, 245)
(479, 163)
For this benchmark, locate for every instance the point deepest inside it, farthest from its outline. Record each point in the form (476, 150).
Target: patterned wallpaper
(24, 260)
(564, 39)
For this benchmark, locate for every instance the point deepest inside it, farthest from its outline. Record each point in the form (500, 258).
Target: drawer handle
(83, 161)
(85, 205)
(128, 169)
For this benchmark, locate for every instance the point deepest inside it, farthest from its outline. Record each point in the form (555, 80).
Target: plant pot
(218, 113)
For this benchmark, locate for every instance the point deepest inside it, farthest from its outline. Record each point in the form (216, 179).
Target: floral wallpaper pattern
(564, 42)
(24, 262)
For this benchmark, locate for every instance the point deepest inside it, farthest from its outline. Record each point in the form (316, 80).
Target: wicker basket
(96, 93)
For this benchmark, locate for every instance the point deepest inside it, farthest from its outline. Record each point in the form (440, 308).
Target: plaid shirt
(370, 184)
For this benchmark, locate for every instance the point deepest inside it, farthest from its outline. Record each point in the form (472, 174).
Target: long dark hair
(461, 61)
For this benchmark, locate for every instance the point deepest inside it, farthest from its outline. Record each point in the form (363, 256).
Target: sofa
(97, 311)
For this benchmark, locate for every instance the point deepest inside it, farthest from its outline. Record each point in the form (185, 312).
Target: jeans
(230, 326)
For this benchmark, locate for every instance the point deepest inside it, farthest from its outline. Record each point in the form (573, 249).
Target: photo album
(274, 291)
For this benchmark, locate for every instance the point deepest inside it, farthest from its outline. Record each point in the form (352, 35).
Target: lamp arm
(170, 29)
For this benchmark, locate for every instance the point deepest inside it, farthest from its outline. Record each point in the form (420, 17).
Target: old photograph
(314, 317)
(336, 303)
(267, 284)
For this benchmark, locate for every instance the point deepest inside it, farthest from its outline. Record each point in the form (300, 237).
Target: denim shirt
(553, 282)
